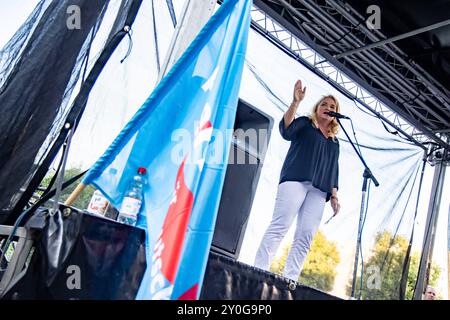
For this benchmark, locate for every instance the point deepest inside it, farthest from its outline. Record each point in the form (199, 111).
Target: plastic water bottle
(132, 202)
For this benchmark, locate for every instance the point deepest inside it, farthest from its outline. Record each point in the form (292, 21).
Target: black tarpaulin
(227, 279)
(79, 256)
(52, 57)
(37, 84)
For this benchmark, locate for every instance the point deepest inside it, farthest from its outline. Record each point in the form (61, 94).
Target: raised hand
(299, 92)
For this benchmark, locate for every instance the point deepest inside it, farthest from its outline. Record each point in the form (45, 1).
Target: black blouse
(311, 156)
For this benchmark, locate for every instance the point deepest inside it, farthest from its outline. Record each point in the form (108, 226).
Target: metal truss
(384, 80)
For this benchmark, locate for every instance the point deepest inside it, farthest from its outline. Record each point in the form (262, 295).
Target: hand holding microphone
(336, 207)
(329, 219)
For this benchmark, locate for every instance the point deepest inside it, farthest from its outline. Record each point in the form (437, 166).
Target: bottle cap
(142, 170)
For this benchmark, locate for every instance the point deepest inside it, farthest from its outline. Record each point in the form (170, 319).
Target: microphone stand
(366, 175)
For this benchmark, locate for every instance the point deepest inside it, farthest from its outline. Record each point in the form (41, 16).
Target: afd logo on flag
(167, 252)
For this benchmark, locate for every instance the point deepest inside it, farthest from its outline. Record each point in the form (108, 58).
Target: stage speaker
(250, 139)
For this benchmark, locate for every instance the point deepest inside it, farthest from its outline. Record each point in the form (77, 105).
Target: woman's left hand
(335, 205)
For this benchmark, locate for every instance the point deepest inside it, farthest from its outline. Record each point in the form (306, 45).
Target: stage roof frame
(411, 96)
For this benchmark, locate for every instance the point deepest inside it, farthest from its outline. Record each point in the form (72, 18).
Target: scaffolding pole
(430, 226)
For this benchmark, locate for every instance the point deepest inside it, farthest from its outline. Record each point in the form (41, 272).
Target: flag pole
(194, 17)
(74, 195)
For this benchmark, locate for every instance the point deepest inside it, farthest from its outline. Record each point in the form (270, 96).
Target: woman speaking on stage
(308, 179)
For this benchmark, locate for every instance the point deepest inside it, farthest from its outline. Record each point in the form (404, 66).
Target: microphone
(336, 115)
(330, 219)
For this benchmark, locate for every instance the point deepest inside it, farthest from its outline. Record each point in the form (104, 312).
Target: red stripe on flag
(206, 126)
(190, 294)
(175, 225)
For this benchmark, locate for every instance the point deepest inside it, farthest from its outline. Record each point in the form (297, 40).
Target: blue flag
(182, 136)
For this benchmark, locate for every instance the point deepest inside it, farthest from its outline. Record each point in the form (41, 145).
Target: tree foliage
(83, 200)
(383, 270)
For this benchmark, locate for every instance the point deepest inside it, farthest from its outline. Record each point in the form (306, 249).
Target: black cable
(386, 128)
(130, 44)
(88, 51)
(396, 133)
(52, 181)
(155, 36)
(362, 110)
(354, 135)
(172, 12)
(405, 271)
(375, 116)
(412, 178)
(265, 85)
(407, 201)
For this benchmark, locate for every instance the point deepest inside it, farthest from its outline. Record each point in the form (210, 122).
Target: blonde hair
(333, 128)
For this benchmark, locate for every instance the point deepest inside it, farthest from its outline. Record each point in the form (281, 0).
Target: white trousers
(294, 199)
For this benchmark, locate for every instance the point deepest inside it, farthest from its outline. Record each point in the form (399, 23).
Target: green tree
(319, 270)
(414, 270)
(384, 267)
(83, 200)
